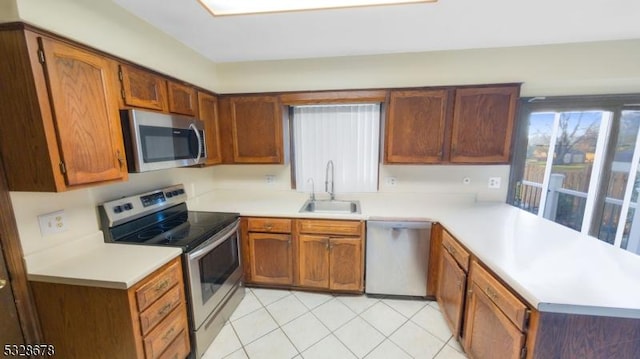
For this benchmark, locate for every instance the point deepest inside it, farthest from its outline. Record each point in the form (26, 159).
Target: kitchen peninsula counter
(552, 267)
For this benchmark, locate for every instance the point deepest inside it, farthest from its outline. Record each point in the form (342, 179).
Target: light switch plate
(52, 223)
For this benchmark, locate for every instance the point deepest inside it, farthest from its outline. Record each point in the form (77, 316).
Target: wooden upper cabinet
(254, 124)
(144, 89)
(208, 113)
(482, 126)
(182, 99)
(415, 129)
(86, 112)
(59, 123)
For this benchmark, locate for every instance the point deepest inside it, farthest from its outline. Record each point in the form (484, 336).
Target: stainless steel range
(209, 241)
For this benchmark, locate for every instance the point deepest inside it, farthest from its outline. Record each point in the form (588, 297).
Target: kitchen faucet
(331, 192)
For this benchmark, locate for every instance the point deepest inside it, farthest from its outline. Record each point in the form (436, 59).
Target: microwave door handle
(193, 127)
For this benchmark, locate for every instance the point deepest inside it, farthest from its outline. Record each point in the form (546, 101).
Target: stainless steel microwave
(155, 141)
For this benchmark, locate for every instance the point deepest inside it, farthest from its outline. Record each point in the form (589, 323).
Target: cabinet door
(451, 288)
(83, 97)
(271, 258)
(143, 89)
(345, 261)
(314, 261)
(182, 99)
(256, 126)
(482, 126)
(415, 128)
(484, 320)
(208, 109)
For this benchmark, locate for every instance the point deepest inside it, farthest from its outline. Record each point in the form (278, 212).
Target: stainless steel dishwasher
(397, 256)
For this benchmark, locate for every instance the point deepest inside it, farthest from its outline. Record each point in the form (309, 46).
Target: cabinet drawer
(160, 309)
(455, 249)
(351, 228)
(276, 225)
(156, 287)
(163, 335)
(179, 348)
(511, 306)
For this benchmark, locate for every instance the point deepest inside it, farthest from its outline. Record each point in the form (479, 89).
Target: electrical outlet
(271, 179)
(390, 181)
(52, 223)
(494, 182)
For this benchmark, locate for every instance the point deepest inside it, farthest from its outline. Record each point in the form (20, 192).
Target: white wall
(570, 69)
(8, 11)
(80, 206)
(104, 25)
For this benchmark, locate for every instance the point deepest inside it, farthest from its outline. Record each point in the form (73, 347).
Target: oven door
(158, 141)
(214, 270)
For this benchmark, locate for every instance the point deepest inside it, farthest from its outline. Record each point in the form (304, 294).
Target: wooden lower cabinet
(314, 254)
(271, 258)
(330, 262)
(451, 292)
(453, 264)
(489, 312)
(497, 323)
(147, 321)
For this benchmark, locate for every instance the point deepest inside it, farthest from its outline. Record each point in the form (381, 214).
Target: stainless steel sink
(330, 206)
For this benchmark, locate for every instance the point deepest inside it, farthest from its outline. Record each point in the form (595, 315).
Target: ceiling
(445, 25)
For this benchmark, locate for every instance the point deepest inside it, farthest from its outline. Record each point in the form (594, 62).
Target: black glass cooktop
(173, 226)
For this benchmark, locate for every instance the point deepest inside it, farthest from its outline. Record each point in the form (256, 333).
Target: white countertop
(90, 261)
(552, 267)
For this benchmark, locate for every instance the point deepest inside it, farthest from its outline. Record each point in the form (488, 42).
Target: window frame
(616, 104)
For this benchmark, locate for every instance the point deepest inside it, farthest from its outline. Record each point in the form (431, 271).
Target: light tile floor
(275, 324)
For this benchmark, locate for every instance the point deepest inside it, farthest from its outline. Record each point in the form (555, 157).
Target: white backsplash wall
(252, 177)
(438, 179)
(80, 206)
(447, 179)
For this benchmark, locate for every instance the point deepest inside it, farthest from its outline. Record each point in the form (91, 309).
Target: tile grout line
(299, 352)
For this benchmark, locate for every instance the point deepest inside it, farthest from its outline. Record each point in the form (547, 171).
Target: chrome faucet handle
(313, 189)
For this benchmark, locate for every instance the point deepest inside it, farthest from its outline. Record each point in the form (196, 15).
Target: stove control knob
(127, 206)
(117, 209)
(180, 191)
(169, 194)
(175, 193)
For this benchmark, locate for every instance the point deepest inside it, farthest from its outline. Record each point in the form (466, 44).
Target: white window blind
(346, 134)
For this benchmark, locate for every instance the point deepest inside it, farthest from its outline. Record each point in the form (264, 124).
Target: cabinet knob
(120, 158)
(3, 283)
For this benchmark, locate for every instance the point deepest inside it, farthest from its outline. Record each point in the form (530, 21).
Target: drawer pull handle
(165, 309)
(492, 294)
(169, 335)
(162, 286)
(451, 250)
(268, 226)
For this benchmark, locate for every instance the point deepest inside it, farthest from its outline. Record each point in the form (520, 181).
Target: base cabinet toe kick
(491, 320)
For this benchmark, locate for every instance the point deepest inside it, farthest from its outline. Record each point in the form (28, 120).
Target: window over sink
(346, 134)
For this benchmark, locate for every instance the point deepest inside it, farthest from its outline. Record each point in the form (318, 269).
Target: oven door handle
(194, 129)
(197, 254)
